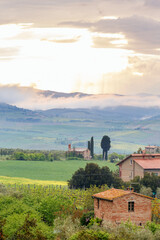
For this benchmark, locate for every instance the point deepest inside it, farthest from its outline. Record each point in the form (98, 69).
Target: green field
(46, 171)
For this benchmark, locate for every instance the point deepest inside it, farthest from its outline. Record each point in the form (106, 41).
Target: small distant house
(116, 205)
(152, 149)
(85, 152)
(138, 164)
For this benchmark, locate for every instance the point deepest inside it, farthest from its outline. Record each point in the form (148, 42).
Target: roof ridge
(114, 193)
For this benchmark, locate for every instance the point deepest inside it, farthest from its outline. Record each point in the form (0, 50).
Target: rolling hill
(128, 127)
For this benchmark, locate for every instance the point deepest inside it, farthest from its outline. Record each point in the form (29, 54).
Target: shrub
(157, 235)
(65, 228)
(25, 226)
(85, 219)
(158, 192)
(52, 207)
(90, 235)
(152, 226)
(95, 221)
(146, 191)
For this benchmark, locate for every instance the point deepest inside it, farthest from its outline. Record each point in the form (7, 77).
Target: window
(130, 206)
(131, 162)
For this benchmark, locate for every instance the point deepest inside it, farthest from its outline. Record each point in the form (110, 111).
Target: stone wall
(117, 211)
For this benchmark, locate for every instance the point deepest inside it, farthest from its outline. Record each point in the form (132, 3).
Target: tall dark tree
(92, 147)
(105, 145)
(89, 145)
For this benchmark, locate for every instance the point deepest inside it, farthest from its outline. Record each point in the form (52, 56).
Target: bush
(52, 207)
(152, 226)
(21, 226)
(74, 158)
(85, 219)
(90, 235)
(65, 228)
(146, 191)
(158, 193)
(95, 221)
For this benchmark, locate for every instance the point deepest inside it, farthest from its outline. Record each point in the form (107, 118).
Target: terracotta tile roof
(113, 193)
(149, 163)
(143, 155)
(151, 147)
(78, 149)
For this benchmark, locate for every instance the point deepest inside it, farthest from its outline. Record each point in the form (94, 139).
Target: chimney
(69, 147)
(131, 189)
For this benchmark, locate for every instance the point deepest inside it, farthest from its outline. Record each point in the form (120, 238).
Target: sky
(91, 46)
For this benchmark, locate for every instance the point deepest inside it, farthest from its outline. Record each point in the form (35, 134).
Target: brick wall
(117, 210)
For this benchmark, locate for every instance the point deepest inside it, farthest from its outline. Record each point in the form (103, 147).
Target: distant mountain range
(31, 98)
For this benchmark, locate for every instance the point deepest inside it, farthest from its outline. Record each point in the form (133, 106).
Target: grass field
(45, 171)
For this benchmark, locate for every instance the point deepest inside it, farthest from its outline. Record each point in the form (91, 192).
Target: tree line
(92, 175)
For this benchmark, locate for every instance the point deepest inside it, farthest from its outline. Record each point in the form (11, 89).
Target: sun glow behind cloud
(60, 59)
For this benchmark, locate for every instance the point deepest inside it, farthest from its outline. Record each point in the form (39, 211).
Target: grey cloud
(48, 13)
(143, 34)
(152, 3)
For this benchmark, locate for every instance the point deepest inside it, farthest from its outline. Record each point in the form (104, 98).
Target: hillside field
(43, 171)
(128, 128)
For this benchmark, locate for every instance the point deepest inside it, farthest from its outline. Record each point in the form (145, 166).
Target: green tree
(106, 176)
(94, 175)
(92, 147)
(19, 156)
(105, 145)
(78, 179)
(151, 181)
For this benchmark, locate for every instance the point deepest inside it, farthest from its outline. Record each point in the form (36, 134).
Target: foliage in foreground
(70, 229)
(44, 215)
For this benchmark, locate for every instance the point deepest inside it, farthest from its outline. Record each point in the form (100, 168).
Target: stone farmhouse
(116, 205)
(138, 164)
(152, 149)
(85, 152)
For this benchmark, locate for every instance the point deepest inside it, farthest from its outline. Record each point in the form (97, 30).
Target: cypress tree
(92, 147)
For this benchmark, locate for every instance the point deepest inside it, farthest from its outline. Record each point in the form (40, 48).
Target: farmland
(44, 171)
(129, 128)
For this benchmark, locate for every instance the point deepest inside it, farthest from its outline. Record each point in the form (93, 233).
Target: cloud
(62, 40)
(8, 53)
(142, 75)
(50, 13)
(141, 33)
(31, 98)
(152, 3)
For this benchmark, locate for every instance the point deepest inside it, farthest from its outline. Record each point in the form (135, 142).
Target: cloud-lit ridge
(31, 98)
